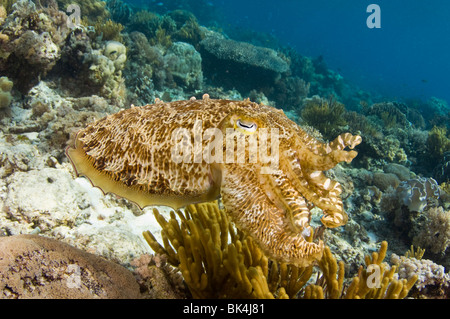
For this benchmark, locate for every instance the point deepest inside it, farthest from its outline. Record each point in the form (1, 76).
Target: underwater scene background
(332, 66)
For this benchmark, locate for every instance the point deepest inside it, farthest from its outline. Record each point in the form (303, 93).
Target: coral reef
(390, 114)
(190, 32)
(38, 267)
(109, 30)
(146, 74)
(437, 143)
(290, 92)
(94, 71)
(145, 21)
(120, 11)
(122, 53)
(6, 7)
(91, 10)
(442, 171)
(385, 180)
(38, 44)
(40, 196)
(418, 208)
(435, 110)
(104, 70)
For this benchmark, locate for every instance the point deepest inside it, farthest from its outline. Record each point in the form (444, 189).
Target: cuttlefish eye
(246, 127)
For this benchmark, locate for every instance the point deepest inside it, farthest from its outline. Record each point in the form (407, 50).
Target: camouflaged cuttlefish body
(266, 169)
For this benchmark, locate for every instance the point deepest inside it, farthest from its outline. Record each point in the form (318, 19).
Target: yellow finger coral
(218, 261)
(377, 281)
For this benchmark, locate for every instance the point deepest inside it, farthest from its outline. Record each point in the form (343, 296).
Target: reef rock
(38, 267)
(56, 209)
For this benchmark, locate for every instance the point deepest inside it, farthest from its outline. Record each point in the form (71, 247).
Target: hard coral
(430, 275)
(434, 231)
(92, 10)
(228, 60)
(146, 73)
(7, 6)
(120, 11)
(190, 32)
(442, 171)
(38, 49)
(391, 114)
(157, 278)
(5, 92)
(104, 70)
(437, 143)
(146, 22)
(94, 71)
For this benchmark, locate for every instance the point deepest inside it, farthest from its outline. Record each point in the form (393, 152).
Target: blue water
(408, 57)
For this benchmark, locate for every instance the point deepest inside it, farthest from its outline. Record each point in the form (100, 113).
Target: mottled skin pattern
(131, 154)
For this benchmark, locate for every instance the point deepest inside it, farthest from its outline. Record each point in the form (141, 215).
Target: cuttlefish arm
(275, 224)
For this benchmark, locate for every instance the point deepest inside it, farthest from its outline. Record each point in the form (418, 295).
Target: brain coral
(39, 267)
(174, 154)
